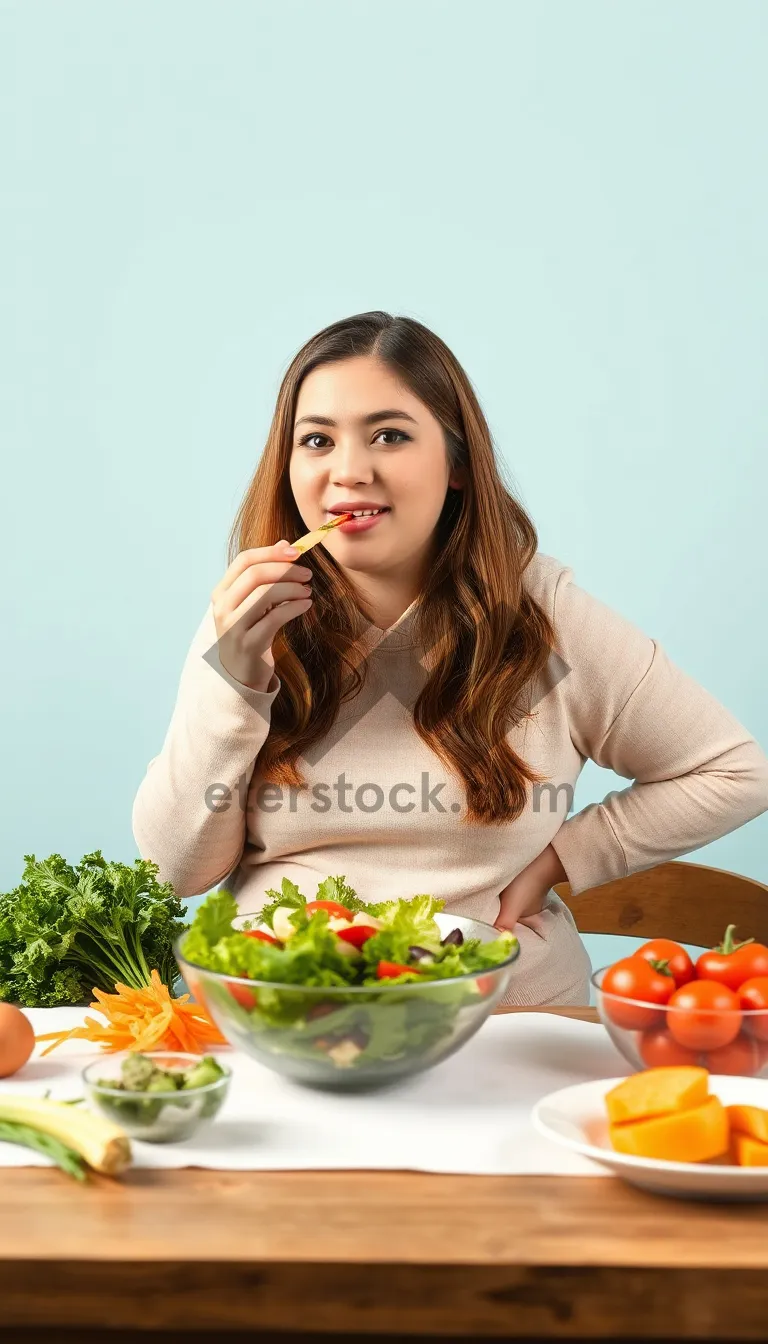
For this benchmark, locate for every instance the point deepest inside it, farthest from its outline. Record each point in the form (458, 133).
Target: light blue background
(573, 195)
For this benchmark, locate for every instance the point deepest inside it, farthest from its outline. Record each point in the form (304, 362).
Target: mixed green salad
(295, 947)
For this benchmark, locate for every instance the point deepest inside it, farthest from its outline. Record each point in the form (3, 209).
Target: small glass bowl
(650, 1035)
(155, 1117)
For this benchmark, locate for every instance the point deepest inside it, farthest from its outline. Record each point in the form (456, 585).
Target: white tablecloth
(468, 1115)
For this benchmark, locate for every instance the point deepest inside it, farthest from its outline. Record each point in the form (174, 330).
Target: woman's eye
(401, 438)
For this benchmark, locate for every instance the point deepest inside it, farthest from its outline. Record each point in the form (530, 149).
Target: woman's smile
(362, 523)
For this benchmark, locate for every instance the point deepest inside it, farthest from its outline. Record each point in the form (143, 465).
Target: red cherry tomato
(261, 936)
(739, 1056)
(632, 978)
(387, 970)
(356, 934)
(333, 908)
(704, 1015)
(247, 998)
(672, 957)
(658, 1049)
(753, 996)
(485, 984)
(731, 963)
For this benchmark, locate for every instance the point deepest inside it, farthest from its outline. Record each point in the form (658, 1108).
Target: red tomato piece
(658, 1049)
(664, 954)
(732, 963)
(247, 998)
(704, 1015)
(356, 934)
(387, 970)
(741, 1056)
(638, 986)
(753, 997)
(485, 984)
(261, 936)
(334, 909)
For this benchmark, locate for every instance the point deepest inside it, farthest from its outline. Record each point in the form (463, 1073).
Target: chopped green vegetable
(65, 931)
(135, 1072)
(162, 1083)
(207, 1071)
(140, 1073)
(140, 1076)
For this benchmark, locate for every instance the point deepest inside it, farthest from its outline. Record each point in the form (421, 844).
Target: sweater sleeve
(698, 772)
(188, 814)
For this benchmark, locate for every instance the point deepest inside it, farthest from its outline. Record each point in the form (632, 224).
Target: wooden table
(367, 1255)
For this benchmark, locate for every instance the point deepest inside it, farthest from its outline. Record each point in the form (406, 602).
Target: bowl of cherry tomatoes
(661, 1007)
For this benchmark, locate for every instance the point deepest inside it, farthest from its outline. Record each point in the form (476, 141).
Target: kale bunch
(65, 931)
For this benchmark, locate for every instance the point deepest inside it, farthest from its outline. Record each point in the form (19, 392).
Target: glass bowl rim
(381, 987)
(670, 1007)
(149, 1054)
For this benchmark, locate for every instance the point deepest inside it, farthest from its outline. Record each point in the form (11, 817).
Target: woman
(440, 680)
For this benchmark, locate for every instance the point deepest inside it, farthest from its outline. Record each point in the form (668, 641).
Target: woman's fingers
(247, 654)
(256, 555)
(269, 624)
(262, 577)
(261, 590)
(259, 602)
(517, 902)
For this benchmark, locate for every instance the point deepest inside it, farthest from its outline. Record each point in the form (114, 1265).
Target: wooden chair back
(685, 901)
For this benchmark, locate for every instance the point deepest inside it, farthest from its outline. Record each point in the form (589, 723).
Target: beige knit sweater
(698, 774)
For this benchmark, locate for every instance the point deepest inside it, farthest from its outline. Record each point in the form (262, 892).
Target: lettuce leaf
(288, 895)
(407, 923)
(311, 957)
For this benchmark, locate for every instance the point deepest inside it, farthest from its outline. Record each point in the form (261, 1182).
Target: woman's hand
(254, 599)
(525, 894)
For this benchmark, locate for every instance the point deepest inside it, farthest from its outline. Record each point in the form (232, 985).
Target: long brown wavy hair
(487, 638)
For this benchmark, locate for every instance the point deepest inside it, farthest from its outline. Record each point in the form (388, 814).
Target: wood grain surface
(361, 1254)
(690, 902)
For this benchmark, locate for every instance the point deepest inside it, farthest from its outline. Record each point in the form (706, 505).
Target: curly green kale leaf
(66, 930)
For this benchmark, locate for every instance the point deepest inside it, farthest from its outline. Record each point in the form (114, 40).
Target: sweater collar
(399, 635)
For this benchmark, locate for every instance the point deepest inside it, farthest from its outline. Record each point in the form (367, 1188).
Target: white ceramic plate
(575, 1117)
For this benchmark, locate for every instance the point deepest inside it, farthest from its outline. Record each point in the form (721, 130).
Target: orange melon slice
(752, 1120)
(659, 1091)
(748, 1152)
(694, 1135)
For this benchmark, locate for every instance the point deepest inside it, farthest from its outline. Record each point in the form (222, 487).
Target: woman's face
(362, 439)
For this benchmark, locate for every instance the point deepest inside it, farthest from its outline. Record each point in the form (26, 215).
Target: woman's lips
(361, 524)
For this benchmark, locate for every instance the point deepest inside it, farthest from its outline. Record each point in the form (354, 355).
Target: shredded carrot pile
(144, 1019)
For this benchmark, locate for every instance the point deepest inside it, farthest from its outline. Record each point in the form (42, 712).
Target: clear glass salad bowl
(650, 1035)
(354, 1036)
(154, 1116)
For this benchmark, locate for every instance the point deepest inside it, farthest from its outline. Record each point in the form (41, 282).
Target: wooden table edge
(563, 1289)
